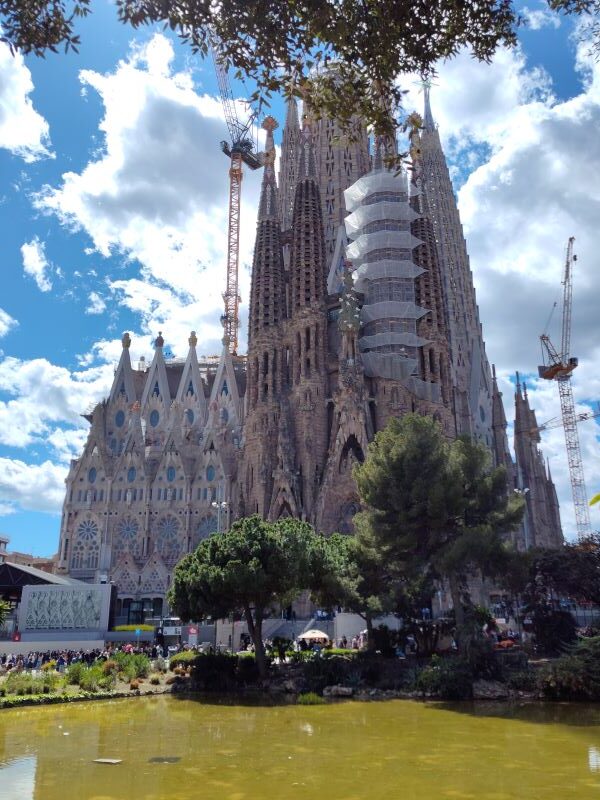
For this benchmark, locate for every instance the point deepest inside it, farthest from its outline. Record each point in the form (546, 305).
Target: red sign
(16, 637)
(193, 630)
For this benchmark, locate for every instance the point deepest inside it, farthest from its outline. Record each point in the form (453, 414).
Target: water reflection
(17, 779)
(594, 758)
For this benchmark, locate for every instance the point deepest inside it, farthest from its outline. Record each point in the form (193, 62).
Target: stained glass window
(131, 473)
(120, 418)
(171, 473)
(92, 475)
(167, 540)
(210, 473)
(154, 418)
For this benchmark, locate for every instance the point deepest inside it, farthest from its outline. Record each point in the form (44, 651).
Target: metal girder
(231, 295)
(570, 418)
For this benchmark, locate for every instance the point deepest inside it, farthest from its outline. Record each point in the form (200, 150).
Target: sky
(113, 212)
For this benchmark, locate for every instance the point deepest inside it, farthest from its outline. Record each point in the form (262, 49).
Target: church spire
(288, 169)
(307, 259)
(267, 294)
(429, 124)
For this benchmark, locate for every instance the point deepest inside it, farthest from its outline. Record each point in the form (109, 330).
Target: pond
(175, 749)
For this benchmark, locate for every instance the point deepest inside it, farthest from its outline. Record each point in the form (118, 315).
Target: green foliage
(576, 675)
(435, 508)
(132, 665)
(23, 683)
(526, 680)
(90, 678)
(215, 672)
(554, 629)
(184, 659)
(49, 666)
(310, 699)
(75, 671)
(353, 52)
(447, 678)
(255, 566)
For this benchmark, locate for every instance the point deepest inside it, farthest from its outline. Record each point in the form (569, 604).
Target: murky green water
(348, 751)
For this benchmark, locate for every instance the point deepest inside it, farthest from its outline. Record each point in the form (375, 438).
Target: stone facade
(357, 314)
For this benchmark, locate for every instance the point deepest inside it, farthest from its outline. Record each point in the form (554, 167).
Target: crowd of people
(36, 659)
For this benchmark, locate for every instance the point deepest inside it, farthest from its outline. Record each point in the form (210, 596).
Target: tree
(254, 567)
(279, 44)
(588, 11)
(435, 506)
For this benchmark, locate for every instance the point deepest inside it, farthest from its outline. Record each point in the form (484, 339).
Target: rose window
(167, 540)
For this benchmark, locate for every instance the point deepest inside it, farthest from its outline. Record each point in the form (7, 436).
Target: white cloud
(7, 323)
(22, 130)
(34, 487)
(36, 265)
(97, 304)
(43, 396)
(157, 192)
(537, 182)
(537, 18)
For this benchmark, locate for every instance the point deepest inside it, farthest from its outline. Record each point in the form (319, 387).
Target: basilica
(362, 308)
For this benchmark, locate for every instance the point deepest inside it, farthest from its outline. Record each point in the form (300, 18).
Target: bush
(155, 680)
(132, 665)
(576, 675)
(310, 699)
(90, 678)
(134, 685)
(184, 659)
(554, 630)
(447, 678)
(523, 680)
(109, 667)
(74, 672)
(247, 670)
(49, 666)
(215, 671)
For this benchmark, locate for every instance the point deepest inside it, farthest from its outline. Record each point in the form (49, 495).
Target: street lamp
(220, 505)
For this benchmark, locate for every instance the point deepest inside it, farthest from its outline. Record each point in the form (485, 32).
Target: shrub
(447, 678)
(49, 666)
(109, 667)
(247, 670)
(132, 665)
(215, 671)
(310, 699)
(134, 685)
(74, 672)
(523, 681)
(554, 630)
(90, 679)
(576, 675)
(155, 680)
(183, 659)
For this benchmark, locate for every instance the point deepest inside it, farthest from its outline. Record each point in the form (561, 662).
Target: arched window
(154, 418)
(86, 548)
(131, 473)
(167, 540)
(92, 475)
(120, 418)
(190, 416)
(171, 473)
(210, 473)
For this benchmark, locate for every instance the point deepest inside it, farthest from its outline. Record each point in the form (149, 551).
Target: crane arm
(567, 302)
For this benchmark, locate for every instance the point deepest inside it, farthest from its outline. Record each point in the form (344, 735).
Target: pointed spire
(291, 115)
(518, 385)
(427, 115)
(193, 340)
(123, 380)
(306, 162)
(268, 194)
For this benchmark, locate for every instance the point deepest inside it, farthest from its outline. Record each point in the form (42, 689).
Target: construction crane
(559, 368)
(240, 151)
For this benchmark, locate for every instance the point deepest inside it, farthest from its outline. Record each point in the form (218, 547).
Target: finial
(126, 341)
(270, 124)
(518, 383)
(427, 115)
(159, 341)
(193, 340)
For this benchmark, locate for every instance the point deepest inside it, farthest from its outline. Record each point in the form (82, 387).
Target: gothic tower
(307, 328)
(471, 370)
(542, 526)
(268, 359)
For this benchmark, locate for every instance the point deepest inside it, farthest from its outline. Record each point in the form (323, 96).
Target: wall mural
(71, 608)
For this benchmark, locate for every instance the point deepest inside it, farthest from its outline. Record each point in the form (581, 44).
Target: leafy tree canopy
(251, 569)
(279, 44)
(4, 611)
(435, 506)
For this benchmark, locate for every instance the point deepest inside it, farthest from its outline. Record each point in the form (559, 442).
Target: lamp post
(220, 505)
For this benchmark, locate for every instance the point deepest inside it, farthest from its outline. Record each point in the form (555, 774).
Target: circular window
(131, 473)
(190, 416)
(87, 530)
(92, 475)
(171, 473)
(210, 473)
(154, 418)
(120, 419)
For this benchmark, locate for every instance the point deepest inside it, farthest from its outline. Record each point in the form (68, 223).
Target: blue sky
(113, 212)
